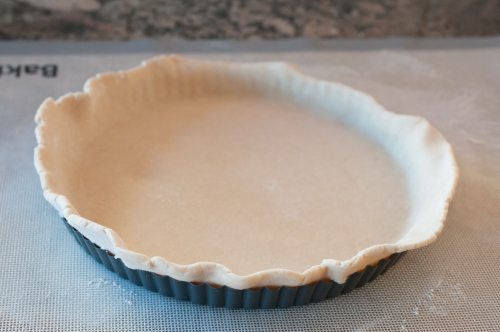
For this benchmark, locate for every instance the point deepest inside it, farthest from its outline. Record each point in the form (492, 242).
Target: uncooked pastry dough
(243, 175)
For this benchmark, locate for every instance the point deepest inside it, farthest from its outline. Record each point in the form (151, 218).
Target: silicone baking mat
(48, 283)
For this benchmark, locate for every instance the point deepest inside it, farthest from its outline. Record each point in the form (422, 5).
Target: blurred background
(245, 19)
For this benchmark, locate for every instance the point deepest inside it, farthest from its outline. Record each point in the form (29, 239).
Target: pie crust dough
(244, 175)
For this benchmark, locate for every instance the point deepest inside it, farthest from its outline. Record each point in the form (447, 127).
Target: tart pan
(250, 298)
(111, 124)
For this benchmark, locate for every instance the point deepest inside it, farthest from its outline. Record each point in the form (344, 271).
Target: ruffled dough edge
(360, 108)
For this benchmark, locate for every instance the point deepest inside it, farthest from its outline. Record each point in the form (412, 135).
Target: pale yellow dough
(241, 175)
(248, 183)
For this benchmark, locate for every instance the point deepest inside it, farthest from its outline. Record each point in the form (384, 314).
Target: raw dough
(243, 175)
(249, 183)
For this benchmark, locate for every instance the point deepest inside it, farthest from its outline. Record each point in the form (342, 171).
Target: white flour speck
(390, 61)
(440, 297)
(476, 141)
(128, 302)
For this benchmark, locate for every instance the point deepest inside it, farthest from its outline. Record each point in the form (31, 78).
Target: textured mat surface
(48, 283)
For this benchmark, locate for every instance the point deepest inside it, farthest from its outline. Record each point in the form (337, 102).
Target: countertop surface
(48, 283)
(245, 19)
